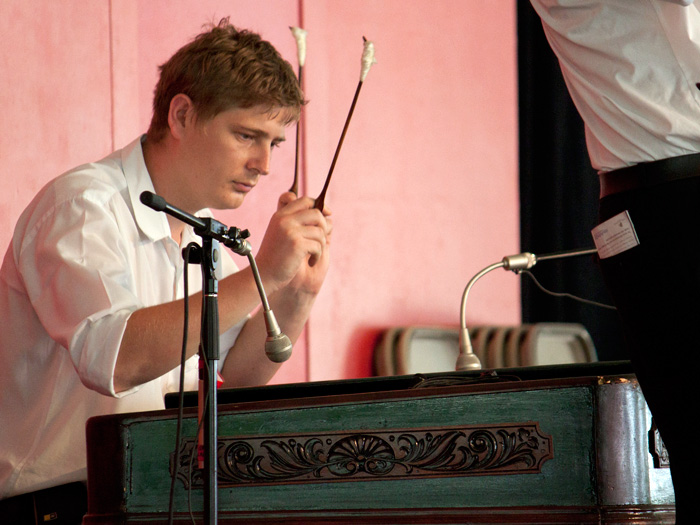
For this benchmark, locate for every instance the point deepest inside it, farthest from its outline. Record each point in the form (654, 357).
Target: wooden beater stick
(300, 37)
(367, 61)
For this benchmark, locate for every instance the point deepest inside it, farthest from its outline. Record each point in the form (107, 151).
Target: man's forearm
(247, 364)
(152, 342)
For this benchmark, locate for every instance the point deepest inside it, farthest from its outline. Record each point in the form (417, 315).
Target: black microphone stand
(212, 232)
(209, 351)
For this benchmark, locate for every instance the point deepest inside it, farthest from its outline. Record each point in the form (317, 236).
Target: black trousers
(63, 505)
(656, 287)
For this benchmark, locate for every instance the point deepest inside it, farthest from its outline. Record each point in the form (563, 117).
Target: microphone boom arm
(467, 359)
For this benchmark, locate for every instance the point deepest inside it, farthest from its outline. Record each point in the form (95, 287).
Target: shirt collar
(152, 223)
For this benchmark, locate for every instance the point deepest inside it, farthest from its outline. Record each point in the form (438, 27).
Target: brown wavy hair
(223, 68)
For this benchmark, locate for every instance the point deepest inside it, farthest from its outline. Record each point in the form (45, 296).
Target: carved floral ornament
(517, 448)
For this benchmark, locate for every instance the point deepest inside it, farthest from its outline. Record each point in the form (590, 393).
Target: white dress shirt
(85, 255)
(631, 67)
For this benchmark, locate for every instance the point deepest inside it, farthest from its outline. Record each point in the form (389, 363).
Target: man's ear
(181, 114)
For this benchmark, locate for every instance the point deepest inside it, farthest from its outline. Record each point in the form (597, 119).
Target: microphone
(158, 203)
(153, 201)
(278, 347)
(467, 359)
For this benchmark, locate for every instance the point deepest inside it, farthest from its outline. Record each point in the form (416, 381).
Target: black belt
(62, 505)
(647, 174)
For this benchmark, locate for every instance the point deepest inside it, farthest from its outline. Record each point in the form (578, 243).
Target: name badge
(616, 235)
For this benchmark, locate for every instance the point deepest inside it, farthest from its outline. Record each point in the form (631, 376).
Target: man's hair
(225, 68)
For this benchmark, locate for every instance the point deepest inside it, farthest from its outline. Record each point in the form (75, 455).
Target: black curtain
(558, 194)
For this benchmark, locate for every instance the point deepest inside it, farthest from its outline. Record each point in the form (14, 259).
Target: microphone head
(278, 348)
(468, 361)
(153, 201)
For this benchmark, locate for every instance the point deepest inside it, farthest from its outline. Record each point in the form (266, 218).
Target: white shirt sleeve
(80, 283)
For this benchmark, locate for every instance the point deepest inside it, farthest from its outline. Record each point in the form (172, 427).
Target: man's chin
(230, 203)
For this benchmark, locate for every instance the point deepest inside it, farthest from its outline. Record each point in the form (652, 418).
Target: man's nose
(260, 160)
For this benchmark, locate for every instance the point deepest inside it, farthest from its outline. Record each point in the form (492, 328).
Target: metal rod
(561, 255)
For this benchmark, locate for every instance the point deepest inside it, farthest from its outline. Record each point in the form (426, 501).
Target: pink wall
(55, 89)
(424, 194)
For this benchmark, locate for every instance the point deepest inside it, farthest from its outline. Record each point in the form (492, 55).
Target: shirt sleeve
(76, 271)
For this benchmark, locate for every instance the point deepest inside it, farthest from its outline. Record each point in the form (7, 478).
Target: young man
(91, 286)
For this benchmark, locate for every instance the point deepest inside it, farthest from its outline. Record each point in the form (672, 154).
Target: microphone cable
(181, 392)
(566, 294)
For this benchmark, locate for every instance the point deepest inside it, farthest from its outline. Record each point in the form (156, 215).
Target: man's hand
(293, 261)
(295, 249)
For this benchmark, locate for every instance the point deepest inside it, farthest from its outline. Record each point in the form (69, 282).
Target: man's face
(227, 154)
